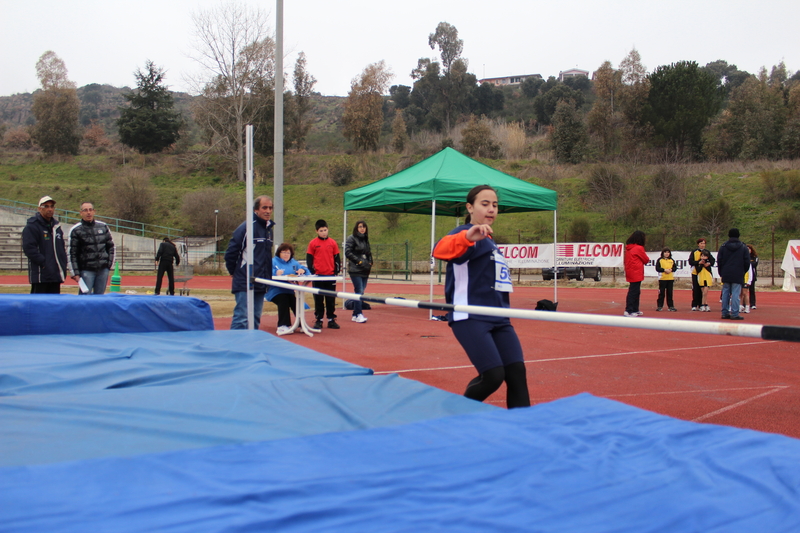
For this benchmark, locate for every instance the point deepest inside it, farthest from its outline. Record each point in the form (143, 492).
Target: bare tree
(237, 53)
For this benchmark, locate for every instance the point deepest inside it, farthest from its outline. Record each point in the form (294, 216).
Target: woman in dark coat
(359, 264)
(167, 253)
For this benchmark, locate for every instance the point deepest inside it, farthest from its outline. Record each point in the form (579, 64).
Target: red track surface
(733, 381)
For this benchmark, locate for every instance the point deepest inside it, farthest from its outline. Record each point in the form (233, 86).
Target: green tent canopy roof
(447, 177)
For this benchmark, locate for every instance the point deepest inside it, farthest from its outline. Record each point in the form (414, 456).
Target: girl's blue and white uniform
(477, 274)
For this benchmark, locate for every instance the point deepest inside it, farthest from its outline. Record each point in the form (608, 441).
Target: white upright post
(277, 212)
(555, 265)
(433, 261)
(249, 218)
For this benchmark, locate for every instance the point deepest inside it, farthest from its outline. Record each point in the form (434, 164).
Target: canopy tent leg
(249, 218)
(432, 260)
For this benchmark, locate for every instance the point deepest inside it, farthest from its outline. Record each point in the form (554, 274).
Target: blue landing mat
(580, 464)
(73, 397)
(54, 314)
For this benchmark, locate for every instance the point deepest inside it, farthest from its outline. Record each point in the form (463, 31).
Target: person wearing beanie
(733, 260)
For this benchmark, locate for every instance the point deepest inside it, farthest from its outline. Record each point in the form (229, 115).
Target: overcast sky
(105, 41)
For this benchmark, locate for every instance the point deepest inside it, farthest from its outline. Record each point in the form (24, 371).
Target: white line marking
(738, 404)
(434, 369)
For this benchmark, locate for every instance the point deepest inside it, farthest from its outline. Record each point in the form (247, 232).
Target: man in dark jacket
(235, 262)
(43, 244)
(91, 251)
(733, 260)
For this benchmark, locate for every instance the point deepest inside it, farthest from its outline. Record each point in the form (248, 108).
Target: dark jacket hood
(733, 244)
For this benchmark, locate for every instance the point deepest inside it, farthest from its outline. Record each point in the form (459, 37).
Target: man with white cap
(43, 244)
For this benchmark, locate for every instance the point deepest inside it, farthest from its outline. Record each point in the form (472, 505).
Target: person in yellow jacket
(704, 277)
(665, 266)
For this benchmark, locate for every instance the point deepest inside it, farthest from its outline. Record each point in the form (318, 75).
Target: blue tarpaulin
(53, 314)
(580, 464)
(243, 431)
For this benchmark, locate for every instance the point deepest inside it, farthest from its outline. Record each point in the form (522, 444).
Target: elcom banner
(567, 254)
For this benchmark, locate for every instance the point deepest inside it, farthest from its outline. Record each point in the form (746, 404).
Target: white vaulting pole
(277, 211)
(555, 266)
(734, 329)
(249, 219)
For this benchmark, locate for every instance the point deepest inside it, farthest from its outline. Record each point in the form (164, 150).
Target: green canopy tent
(439, 185)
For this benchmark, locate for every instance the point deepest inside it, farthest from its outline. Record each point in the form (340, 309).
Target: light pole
(216, 218)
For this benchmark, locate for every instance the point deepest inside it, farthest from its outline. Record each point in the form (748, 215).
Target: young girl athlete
(477, 275)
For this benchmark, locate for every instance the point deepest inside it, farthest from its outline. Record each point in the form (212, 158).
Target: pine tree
(150, 124)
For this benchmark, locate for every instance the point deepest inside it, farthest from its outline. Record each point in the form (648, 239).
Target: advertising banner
(567, 254)
(682, 268)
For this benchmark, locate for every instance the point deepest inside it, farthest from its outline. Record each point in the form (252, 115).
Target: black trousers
(165, 267)
(53, 287)
(286, 305)
(321, 302)
(697, 292)
(632, 299)
(665, 287)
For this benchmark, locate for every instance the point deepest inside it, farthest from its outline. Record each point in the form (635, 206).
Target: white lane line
(666, 350)
(738, 404)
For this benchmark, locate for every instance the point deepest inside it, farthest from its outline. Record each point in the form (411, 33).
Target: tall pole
(249, 225)
(216, 255)
(277, 213)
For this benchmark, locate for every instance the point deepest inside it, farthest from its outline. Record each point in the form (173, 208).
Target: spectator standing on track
(705, 278)
(733, 260)
(635, 260)
(694, 257)
(323, 259)
(754, 269)
(284, 264)
(43, 244)
(359, 264)
(166, 255)
(477, 274)
(236, 262)
(91, 251)
(665, 266)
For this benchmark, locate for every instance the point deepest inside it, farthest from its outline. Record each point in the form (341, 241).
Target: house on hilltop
(508, 81)
(572, 73)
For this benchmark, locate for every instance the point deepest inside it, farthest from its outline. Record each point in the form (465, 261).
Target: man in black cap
(733, 260)
(43, 244)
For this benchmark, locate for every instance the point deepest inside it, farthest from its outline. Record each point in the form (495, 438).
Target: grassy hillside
(670, 214)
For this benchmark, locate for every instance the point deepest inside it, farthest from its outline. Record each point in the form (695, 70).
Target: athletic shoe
(360, 319)
(708, 309)
(673, 309)
(318, 324)
(639, 313)
(746, 308)
(752, 307)
(658, 309)
(332, 324)
(694, 309)
(737, 318)
(628, 314)
(284, 330)
(741, 308)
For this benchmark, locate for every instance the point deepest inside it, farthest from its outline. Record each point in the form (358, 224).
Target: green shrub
(341, 170)
(789, 219)
(781, 184)
(579, 230)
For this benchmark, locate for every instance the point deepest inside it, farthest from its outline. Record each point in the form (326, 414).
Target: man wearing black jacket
(733, 260)
(43, 244)
(91, 251)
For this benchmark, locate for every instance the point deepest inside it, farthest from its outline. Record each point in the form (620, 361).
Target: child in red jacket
(635, 260)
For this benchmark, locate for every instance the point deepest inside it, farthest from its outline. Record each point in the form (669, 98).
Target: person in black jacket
(43, 244)
(167, 252)
(359, 264)
(733, 260)
(91, 251)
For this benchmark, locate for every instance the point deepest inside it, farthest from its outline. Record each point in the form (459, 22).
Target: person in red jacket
(635, 260)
